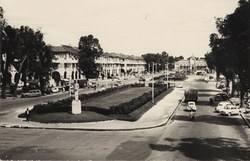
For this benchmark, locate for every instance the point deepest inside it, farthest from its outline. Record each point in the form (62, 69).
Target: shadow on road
(200, 103)
(205, 148)
(203, 103)
(217, 120)
(209, 90)
(205, 95)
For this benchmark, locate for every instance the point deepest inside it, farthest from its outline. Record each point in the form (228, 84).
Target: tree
(150, 58)
(89, 50)
(35, 57)
(231, 49)
(160, 59)
(9, 45)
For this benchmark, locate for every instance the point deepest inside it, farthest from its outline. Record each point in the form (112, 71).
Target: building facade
(113, 64)
(65, 65)
(191, 65)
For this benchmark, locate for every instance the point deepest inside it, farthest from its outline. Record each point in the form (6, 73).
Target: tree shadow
(206, 148)
(209, 90)
(205, 95)
(203, 103)
(217, 120)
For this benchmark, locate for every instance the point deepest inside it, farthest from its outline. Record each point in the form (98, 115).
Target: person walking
(27, 114)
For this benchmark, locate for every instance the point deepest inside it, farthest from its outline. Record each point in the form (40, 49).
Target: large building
(64, 65)
(110, 64)
(191, 65)
(113, 64)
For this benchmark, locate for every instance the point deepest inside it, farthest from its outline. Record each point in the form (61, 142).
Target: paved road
(210, 137)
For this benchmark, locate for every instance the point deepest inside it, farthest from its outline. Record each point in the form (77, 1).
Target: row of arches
(74, 75)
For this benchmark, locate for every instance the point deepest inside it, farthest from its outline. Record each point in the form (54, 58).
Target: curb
(246, 121)
(163, 123)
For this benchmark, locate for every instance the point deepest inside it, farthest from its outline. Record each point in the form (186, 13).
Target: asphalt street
(209, 137)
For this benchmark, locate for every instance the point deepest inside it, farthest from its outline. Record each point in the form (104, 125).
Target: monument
(76, 103)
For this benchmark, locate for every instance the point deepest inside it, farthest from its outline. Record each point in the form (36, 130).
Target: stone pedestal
(147, 83)
(76, 107)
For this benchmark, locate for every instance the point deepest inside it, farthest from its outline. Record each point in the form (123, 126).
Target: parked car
(221, 105)
(119, 83)
(142, 80)
(191, 106)
(219, 97)
(115, 85)
(178, 85)
(115, 77)
(47, 90)
(32, 93)
(92, 85)
(55, 89)
(230, 110)
(160, 82)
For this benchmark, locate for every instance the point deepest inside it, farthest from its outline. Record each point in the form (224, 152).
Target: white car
(178, 85)
(230, 110)
(191, 106)
(55, 89)
(221, 106)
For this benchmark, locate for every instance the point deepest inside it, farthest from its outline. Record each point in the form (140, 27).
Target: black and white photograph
(125, 80)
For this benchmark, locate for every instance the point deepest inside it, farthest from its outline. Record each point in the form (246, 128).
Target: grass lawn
(118, 98)
(65, 117)
(103, 101)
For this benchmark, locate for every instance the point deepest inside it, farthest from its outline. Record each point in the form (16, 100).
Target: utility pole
(167, 71)
(69, 85)
(167, 75)
(153, 84)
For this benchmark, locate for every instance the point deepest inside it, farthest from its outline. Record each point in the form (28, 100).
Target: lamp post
(69, 85)
(167, 75)
(153, 83)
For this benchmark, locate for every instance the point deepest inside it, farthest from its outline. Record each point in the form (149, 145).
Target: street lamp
(153, 83)
(167, 75)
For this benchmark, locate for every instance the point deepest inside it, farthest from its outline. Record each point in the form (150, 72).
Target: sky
(131, 27)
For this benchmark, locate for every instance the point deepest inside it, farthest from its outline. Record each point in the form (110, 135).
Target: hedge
(128, 107)
(64, 105)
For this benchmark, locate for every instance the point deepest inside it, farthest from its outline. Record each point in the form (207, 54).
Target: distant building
(191, 65)
(113, 64)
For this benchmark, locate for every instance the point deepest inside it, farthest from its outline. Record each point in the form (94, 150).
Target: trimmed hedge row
(64, 105)
(128, 107)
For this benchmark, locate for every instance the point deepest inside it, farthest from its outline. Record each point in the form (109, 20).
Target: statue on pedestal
(76, 91)
(76, 103)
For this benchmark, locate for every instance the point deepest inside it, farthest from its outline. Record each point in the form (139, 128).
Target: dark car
(32, 93)
(219, 97)
(141, 80)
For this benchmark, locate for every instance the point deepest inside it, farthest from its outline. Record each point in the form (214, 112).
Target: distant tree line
(230, 49)
(161, 61)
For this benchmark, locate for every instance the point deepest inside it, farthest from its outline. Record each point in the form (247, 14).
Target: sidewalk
(157, 116)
